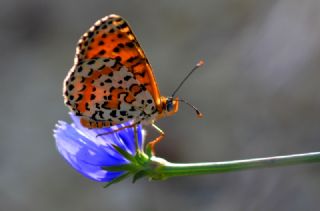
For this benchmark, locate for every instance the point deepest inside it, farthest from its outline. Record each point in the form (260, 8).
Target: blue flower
(88, 154)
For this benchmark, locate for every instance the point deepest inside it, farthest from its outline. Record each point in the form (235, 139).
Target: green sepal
(124, 153)
(141, 158)
(138, 175)
(125, 167)
(149, 151)
(116, 180)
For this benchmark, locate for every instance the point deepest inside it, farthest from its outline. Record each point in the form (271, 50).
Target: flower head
(90, 154)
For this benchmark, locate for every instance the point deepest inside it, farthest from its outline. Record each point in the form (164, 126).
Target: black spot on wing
(100, 43)
(120, 45)
(87, 107)
(93, 116)
(90, 34)
(90, 72)
(91, 62)
(102, 52)
(130, 44)
(80, 69)
(83, 88)
(123, 113)
(132, 59)
(122, 26)
(70, 87)
(132, 108)
(142, 73)
(102, 67)
(101, 114)
(80, 97)
(116, 50)
(127, 78)
(113, 113)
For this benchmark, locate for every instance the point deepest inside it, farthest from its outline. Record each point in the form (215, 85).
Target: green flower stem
(164, 169)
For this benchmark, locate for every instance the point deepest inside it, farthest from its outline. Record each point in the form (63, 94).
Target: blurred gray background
(259, 92)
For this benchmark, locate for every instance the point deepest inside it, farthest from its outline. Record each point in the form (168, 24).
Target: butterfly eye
(169, 106)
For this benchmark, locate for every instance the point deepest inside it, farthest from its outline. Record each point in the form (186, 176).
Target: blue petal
(86, 149)
(123, 138)
(87, 153)
(90, 171)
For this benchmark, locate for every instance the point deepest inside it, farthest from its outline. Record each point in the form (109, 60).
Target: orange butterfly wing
(111, 81)
(111, 37)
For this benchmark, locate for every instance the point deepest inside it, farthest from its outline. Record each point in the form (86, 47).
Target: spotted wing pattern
(111, 81)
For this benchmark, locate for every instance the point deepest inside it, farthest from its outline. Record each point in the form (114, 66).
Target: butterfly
(111, 81)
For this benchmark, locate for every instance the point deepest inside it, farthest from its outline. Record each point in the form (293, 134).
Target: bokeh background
(259, 92)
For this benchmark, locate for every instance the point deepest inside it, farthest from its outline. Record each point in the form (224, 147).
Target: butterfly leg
(157, 140)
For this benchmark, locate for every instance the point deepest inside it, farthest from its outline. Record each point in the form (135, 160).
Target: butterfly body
(111, 81)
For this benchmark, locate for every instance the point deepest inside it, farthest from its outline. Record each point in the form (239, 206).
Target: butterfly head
(170, 105)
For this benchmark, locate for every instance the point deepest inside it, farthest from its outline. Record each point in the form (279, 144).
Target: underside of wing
(104, 92)
(112, 38)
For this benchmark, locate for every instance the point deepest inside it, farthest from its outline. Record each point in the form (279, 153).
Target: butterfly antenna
(199, 64)
(199, 114)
